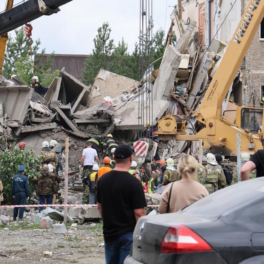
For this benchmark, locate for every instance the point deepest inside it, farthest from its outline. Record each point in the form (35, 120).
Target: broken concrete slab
(200, 78)
(48, 126)
(128, 114)
(79, 214)
(167, 73)
(16, 101)
(54, 89)
(46, 222)
(95, 112)
(109, 84)
(73, 91)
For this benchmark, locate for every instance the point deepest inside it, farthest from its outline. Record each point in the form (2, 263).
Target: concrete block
(128, 114)
(38, 218)
(59, 229)
(15, 101)
(4, 219)
(200, 78)
(46, 222)
(109, 84)
(81, 213)
(167, 73)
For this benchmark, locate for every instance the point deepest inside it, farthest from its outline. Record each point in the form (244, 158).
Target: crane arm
(4, 37)
(211, 105)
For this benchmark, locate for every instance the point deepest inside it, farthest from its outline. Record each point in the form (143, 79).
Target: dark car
(224, 227)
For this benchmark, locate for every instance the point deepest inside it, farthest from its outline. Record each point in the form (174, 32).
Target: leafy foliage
(19, 60)
(9, 161)
(117, 58)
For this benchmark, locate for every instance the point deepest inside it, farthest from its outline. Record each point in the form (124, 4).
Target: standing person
(215, 177)
(59, 166)
(133, 167)
(47, 155)
(96, 144)
(171, 174)
(121, 202)
(180, 194)
(89, 156)
(105, 168)
(91, 181)
(38, 88)
(228, 175)
(45, 183)
(109, 144)
(20, 191)
(256, 162)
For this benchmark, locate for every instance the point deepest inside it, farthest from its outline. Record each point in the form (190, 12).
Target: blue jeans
(42, 200)
(20, 198)
(92, 197)
(116, 251)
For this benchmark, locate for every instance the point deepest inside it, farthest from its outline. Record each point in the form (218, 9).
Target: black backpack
(228, 175)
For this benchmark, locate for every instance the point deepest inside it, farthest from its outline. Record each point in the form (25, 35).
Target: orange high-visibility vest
(102, 171)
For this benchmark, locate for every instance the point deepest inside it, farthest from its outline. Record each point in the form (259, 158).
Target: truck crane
(16, 16)
(219, 133)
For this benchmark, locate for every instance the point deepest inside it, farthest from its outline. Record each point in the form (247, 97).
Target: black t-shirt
(119, 193)
(258, 159)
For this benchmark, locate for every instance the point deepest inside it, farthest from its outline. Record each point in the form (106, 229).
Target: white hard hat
(95, 167)
(245, 156)
(170, 162)
(134, 164)
(45, 144)
(113, 150)
(35, 78)
(211, 159)
(50, 167)
(53, 143)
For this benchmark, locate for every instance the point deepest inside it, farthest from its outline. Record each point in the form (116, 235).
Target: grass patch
(22, 226)
(14, 245)
(73, 261)
(61, 245)
(75, 246)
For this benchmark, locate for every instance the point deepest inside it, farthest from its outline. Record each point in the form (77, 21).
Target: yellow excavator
(218, 132)
(24, 12)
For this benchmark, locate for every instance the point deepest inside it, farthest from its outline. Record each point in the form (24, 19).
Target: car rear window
(228, 199)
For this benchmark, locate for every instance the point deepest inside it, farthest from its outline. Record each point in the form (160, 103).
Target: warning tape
(55, 205)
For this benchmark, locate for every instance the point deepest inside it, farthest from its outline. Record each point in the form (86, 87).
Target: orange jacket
(102, 171)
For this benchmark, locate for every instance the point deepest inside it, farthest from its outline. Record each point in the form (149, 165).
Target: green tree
(101, 55)
(19, 59)
(9, 161)
(158, 46)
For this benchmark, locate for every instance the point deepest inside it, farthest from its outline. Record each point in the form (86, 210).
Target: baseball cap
(21, 167)
(123, 152)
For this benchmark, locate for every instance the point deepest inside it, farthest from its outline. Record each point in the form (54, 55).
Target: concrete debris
(59, 229)
(80, 214)
(4, 219)
(46, 222)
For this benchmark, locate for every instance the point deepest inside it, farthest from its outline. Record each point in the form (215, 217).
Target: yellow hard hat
(109, 135)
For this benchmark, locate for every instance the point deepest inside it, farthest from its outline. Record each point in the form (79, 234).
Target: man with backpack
(228, 175)
(91, 181)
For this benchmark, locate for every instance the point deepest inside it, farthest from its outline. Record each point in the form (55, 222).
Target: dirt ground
(25, 243)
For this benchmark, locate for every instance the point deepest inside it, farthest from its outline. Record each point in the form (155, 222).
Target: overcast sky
(71, 31)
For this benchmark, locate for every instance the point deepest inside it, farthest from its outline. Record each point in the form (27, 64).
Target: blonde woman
(181, 193)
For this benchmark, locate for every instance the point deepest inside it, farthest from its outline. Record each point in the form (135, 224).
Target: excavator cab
(250, 119)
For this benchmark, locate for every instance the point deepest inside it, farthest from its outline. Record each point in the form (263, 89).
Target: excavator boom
(219, 135)
(28, 11)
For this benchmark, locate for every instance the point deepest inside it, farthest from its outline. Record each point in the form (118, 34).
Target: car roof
(228, 200)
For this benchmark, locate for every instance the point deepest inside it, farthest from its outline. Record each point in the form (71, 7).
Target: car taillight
(181, 239)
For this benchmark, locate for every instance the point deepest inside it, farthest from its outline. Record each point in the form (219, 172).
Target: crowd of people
(118, 185)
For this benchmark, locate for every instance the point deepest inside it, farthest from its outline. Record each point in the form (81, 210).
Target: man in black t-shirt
(121, 203)
(256, 162)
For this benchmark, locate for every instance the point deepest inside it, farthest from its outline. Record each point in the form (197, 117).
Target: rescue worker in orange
(105, 168)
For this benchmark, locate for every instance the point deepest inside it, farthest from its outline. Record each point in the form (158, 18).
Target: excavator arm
(14, 17)
(4, 37)
(218, 134)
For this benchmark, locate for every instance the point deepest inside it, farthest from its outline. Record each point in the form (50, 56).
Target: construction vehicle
(218, 132)
(24, 12)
